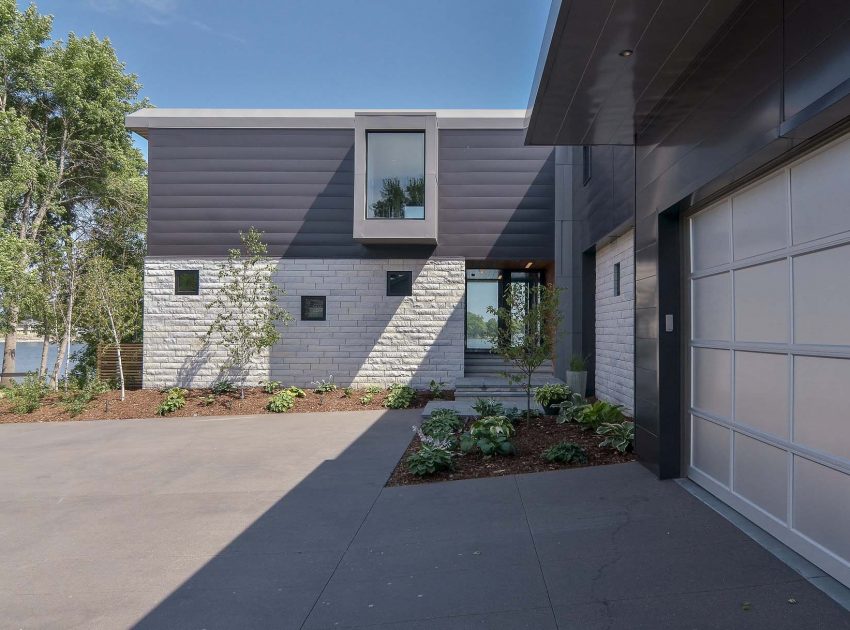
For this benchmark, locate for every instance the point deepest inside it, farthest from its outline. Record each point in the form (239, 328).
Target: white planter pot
(577, 381)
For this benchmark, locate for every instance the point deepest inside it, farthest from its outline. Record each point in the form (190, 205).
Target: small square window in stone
(186, 282)
(313, 308)
(399, 283)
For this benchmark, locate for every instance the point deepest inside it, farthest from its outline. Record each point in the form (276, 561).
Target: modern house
(682, 172)
(394, 232)
(708, 175)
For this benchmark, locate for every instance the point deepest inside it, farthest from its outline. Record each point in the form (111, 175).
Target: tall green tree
(247, 313)
(63, 146)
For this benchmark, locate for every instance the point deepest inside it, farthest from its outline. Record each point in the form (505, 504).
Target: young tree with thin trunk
(246, 307)
(113, 303)
(527, 334)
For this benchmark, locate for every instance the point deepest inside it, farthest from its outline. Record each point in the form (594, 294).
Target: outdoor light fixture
(627, 52)
(528, 265)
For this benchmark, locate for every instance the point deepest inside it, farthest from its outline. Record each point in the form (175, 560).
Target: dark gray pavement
(283, 522)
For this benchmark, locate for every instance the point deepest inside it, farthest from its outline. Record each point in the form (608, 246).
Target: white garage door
(769, 406)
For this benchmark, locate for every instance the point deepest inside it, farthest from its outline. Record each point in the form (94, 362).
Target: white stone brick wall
(368, 338)
(615, 349)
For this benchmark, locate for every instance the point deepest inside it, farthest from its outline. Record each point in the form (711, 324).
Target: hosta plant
(550, 395)
(599, 413)
(491, 435)
(270, 387)
(571, 408)
(437, 389)
(566, 453)
(223, 387)
(325, 385)
(442, 426)
(399, 397)
(618, 435)
(429, 459)
(175, 398)
(280, 402)
(295, 392)
(485, 407)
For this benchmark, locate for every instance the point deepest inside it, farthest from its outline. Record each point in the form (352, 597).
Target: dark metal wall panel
(297, 185)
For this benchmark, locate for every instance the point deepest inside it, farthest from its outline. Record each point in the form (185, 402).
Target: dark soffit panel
(586, 92)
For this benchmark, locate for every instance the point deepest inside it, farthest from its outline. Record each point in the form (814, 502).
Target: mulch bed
(143, 403)
(531, 439)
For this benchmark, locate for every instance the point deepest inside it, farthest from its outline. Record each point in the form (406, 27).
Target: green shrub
(207, 401)
(77, 397)
(400, 397)
(325, 385)
(578, 364)
(270, 387)
(374, 389)
(219, 388)
(618, 435)
(566, 453)
(451, 414)
(442, 426)
(26, 396)
(571, 409)
(295, 392)
(491, 435)
(599, 413)
(437, 389)
(347, 392)
(281, 401)
(552, 394)
(175, 398)
(485, 407)
(429, 459)
(367, 399)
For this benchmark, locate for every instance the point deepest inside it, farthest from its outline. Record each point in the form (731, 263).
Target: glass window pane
(186, 282)
(395, 175)
(399, 283)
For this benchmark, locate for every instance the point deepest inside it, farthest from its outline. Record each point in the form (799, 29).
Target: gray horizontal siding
(496, 196)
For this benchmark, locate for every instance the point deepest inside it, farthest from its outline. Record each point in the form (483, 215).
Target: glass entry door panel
(483, 288)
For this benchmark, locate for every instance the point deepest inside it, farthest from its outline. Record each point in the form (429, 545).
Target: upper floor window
(586, 164)
(395, 175)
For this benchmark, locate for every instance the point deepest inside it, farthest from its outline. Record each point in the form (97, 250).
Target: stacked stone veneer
(615, 354)
(368, 337)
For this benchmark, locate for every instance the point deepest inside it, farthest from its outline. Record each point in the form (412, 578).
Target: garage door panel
(760, 218)
(712, 311)
(769, 409)
(822, 404)
(712, 448)
(822, 505)
(761, 303)
(761, 392)
(822, 297)
(820, 194)
(712, 372)
(761, 475)
(710, 237)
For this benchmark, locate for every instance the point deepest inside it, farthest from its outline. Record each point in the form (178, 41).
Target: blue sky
(319, 53)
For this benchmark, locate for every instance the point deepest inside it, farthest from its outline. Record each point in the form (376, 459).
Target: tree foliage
(72, 186)
(526, 338)
(246, 309)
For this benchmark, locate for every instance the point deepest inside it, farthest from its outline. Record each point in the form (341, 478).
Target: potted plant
(577, 375)
(551, 395)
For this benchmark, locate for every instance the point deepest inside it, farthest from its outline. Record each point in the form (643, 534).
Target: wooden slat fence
(131, 360)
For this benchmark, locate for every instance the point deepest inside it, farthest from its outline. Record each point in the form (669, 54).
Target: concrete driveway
(283, 522)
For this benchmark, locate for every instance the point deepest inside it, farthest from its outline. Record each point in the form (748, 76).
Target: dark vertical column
(568, 261)
(588, 317)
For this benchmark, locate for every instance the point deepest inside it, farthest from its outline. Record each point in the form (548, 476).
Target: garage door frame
(783, 530)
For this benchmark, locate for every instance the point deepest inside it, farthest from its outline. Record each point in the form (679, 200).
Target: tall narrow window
(617, 279)
(395, 175)
(586, 162)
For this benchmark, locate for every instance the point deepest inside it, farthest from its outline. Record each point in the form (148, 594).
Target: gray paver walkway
(282, 521)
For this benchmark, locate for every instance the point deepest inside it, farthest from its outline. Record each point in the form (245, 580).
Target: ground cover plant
(618, 435)
(399, 396)
(281, 401)
(175, 398)
(551, 395)
(58, 406)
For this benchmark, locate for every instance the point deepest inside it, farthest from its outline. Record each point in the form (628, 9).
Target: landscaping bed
(200, 402)
(531, 439)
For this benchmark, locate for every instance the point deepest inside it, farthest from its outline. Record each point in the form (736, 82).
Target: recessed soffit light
(627, 52)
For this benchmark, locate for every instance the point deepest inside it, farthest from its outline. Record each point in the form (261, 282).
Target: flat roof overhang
(185, 118)
(587, 90)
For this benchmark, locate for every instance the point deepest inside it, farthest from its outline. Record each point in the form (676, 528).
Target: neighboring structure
(716, 132)
(378, 219)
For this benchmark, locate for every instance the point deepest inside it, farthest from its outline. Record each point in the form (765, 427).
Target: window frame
(196, 273)
(617, 277)
(324, 300)
(424, 133)
(409, 275)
